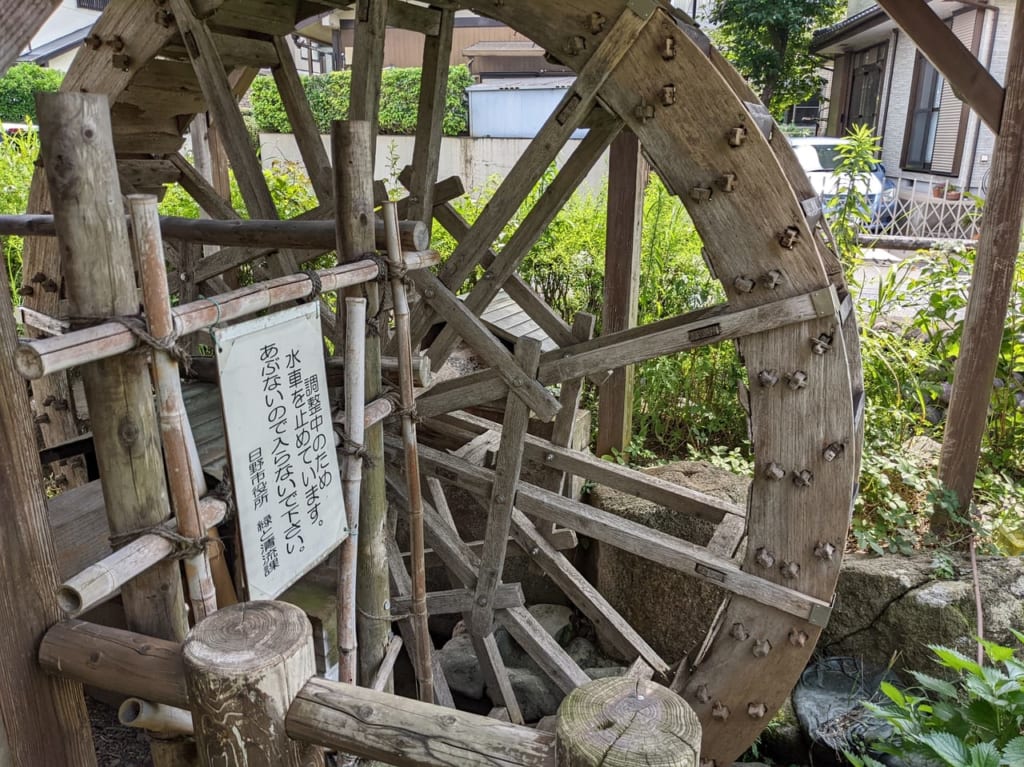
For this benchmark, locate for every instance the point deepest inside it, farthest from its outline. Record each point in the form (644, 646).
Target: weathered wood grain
(409, 733)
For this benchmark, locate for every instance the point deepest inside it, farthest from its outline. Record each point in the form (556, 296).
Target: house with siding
(880, 79)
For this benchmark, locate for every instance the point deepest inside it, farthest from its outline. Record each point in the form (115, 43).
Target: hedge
(328, 97)
(18, 90)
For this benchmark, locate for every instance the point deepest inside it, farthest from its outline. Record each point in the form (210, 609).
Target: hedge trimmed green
(328, 97)
(18, 90)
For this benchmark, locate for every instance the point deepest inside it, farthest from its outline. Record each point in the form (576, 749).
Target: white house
(881, 79)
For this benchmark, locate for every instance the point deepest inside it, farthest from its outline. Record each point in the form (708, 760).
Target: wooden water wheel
(641, 66)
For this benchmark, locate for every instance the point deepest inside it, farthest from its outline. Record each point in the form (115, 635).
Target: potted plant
(952, 192)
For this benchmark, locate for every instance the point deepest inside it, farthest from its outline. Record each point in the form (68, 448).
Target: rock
(888, 609)
(586, 654)
(934, 415)
(670, 610)
(783, 739)
(603, 672)
(537, 695)
(924, 450)
(513, 655)
(829, 704)
(556, 620)
(461, 667)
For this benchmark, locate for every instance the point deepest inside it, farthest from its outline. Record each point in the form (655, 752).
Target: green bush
(974, 721)
(329, 95)
(18, 90)
(18, 153)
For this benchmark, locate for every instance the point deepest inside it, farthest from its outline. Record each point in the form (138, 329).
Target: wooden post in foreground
(991, 284)
(627, 180)
(78, 153)
(626, 721)
(352, 156)
(244, 665)
(44, 718)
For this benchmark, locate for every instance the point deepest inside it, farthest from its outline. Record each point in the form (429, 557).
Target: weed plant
(976, 720)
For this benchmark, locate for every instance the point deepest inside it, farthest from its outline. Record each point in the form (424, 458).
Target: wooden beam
(506, 477)
(212, 203)
(22, 19)
(368, 64)
(971, 82)
(627, 180)
(409, 733)
(991, 285)
(304, 127)
(629, 536)
(426, 156)
(504, 265)
(44, 719)
(688, 331)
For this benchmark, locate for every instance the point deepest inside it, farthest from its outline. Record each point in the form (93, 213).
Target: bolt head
(739, 632)
(798, 638)
(762, 648)
(702, 694)
(825, 551)
(757, 710)
(719, 711)
(790, 570)
(764, 558)
(774, 472)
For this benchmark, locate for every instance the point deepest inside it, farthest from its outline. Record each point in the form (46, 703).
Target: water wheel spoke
(500, 268)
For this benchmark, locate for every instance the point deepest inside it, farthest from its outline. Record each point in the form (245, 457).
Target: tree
(18, 90)
(768, 41)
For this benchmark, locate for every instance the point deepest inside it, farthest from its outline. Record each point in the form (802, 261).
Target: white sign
(281, 445)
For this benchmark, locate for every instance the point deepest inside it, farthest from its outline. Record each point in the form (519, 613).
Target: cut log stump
(626, 721)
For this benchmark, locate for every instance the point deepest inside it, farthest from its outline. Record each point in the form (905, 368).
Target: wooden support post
(44, 719)
(244, 665)
(429, 129)
(991, 285)
(626, 721)
(352, 157)
(627, 180)
(367, 65)
(79, 158)
(503, 494)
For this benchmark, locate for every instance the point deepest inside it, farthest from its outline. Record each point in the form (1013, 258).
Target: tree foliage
(18, 90)
(768, 41)
(328, 97)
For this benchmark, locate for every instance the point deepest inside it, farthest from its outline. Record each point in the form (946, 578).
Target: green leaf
(984, 755)
(1013, 752)
(947, 747)
(952, 659)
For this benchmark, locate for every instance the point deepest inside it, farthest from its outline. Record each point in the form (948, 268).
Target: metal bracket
(762, 117)
(643, 8)
(821, 614)
(825, 301)
(812, 210)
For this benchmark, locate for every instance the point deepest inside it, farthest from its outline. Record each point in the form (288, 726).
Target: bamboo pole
(182, 480)
(101, 581)
(422, 650)
(355, 407)
(155, 717)
(352, 157)
(38, 358)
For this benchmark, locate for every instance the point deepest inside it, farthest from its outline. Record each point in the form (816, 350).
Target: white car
(818, 156)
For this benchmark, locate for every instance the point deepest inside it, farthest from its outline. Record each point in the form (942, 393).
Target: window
(925, 102)
(867, 70)
(93, 5)
(936, 118)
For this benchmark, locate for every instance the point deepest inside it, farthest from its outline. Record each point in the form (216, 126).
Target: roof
(526, 84)
(43, 53)
(504, 48)
(849, 26)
